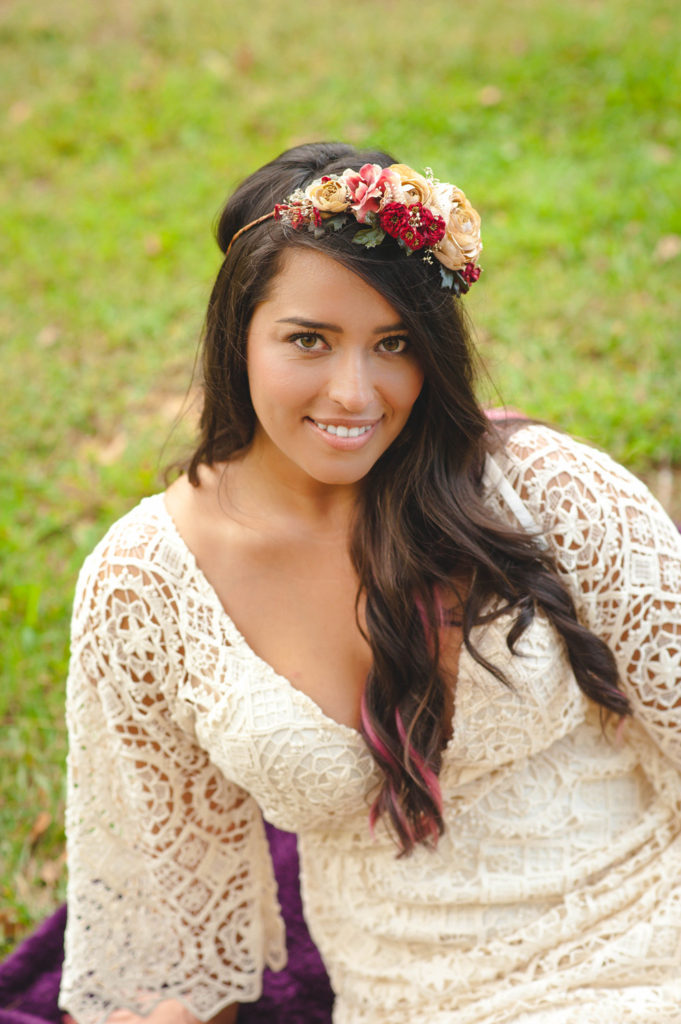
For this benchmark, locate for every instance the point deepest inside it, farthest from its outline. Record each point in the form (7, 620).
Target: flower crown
(421, 213)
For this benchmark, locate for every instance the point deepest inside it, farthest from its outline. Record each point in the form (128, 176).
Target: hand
(171, 1011)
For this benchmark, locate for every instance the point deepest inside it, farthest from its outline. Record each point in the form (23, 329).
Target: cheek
(407, 386)
(274, 383)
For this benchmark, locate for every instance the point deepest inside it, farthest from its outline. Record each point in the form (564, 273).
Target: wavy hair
(427, 551)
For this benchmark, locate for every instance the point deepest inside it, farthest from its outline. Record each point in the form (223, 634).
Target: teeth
(341, 431)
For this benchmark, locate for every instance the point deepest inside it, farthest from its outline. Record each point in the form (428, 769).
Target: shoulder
(593, 512)
(140, 556)
(548, 469)
(535, 449)
(144, 536)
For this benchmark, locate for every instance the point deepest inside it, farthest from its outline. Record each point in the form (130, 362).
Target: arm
(172, 905)
(621, 557)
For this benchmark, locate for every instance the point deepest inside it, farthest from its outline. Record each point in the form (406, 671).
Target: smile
(342, 437)
(342, 431)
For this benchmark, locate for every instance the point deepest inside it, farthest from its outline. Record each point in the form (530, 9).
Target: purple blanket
(300, 994)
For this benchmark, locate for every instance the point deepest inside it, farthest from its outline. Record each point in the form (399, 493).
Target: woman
(369, 616)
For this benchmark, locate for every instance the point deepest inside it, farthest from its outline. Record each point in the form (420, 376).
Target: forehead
(312, 281)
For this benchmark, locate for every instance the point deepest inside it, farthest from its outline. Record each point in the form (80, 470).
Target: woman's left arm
(621, 557)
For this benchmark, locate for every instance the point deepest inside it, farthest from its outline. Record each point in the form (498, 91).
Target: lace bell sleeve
(171, 891)
(621, 557)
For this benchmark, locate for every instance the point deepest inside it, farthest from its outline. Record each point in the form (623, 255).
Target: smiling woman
(371, 617)
(330, 371)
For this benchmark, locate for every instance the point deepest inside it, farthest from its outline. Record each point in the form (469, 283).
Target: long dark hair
(426, 549)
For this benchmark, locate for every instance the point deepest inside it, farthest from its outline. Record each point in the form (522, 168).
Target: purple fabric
(29, 978)
(300, 994)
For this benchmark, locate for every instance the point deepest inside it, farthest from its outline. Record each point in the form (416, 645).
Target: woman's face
(331, 372)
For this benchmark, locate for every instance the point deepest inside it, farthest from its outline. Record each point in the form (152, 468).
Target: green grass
(122, 128)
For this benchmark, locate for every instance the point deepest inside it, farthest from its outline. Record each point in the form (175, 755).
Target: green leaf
(447, 277)
(369, 237)
(337, 222)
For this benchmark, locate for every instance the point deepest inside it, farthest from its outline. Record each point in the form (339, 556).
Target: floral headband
(421, 213)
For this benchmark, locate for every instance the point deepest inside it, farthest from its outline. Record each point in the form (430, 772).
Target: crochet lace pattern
(554, 895)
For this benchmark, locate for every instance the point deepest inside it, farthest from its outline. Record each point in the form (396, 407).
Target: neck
(258, 490)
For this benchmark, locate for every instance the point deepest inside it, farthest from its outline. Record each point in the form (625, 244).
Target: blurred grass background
(123, 125)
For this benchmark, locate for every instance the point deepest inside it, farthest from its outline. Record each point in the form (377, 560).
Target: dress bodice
(558, 870)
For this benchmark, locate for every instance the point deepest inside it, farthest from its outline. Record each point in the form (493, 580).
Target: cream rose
(414, 188)
(462, 243)
(328, 196)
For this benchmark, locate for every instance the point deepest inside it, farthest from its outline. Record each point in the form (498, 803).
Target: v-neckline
(238, 640)
(236, 637)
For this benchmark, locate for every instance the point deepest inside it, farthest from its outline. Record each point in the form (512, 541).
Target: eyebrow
(302, 321)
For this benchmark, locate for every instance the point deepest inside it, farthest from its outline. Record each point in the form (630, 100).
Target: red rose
(436, 231)
(393, 218)
(432, 227)
(412, 237)
(470, 273)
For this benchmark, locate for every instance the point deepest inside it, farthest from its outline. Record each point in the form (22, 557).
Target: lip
(344, 444)
(340, 421)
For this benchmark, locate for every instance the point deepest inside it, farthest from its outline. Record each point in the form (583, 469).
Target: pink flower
(367, 187)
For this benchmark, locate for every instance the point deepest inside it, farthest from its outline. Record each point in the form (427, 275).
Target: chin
(338, 478)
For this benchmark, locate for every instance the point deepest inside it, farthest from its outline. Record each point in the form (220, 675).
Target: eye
(307, 342)
(395, 345)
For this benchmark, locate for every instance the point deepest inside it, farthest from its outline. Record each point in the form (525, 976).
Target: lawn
(123, 127)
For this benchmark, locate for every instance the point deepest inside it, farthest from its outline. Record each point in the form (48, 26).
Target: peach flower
(328, 196)
(462, 243)
(413, 188)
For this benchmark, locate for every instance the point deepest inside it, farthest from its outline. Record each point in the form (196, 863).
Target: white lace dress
(555, 894)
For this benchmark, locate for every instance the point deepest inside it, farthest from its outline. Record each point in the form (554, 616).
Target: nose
(350, 384)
